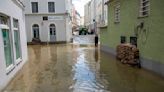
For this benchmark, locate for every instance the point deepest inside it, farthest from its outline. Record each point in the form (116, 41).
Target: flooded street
(80, 68)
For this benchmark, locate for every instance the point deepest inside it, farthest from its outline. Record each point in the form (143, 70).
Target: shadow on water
(76, 68)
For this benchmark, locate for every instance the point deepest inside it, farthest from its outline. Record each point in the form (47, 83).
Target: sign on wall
(55, 17)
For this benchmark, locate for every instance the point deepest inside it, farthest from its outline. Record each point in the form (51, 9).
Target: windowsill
(140, 17)
(51, 12)
(116, 22)
(35, 12)
(18, 61)
(103, 26)
(9, 69)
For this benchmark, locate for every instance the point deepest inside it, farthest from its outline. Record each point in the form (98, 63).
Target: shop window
(6, 37)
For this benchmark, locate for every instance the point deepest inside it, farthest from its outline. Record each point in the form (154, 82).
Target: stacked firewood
(128, 54)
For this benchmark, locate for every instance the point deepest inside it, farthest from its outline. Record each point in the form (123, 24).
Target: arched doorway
(52, 32)
(35, 29)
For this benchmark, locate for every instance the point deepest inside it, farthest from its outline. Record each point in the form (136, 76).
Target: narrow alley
(80, 68)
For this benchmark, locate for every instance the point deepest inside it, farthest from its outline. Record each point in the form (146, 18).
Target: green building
(143, 20)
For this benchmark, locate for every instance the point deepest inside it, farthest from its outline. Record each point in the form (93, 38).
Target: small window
(51, 6)
(133, 40)
(15, 23)
(144, 8)
(3, 20)
(123, 39)
(117, 13)
(45, 18)
(34, 7)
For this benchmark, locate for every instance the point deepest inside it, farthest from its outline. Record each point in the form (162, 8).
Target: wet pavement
(83, 39)
(80, 68)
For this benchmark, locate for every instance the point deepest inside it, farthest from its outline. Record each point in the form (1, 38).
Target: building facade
(13, 44)
(95, 15)
(139, 22)
(48, 20)
(76, 19)
(87, 15)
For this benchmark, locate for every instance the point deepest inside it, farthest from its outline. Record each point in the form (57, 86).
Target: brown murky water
(75, 68)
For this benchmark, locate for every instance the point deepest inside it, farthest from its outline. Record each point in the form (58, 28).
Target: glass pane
(34, 7)
(17, 44)
(7, 47)
(15, 23)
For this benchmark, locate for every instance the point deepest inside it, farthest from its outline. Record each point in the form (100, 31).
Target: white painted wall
(9, 8)
(43, 6)
(44, 28)
(63, 27)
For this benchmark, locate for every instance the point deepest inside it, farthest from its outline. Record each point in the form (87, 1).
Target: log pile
(128, 54)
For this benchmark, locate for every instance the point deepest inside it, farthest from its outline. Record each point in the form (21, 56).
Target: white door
(52, 33)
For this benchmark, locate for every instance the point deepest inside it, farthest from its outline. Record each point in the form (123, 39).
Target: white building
(48, 20)
(13, 48)
(96, 14)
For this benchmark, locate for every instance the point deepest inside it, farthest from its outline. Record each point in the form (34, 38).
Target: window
(34, 7)
(144, 8)
(17, 39)
(7, 47)
(123, 39)
(117, 13)
(6, 36)
(133, 40)
(45, 18)
(51, 6)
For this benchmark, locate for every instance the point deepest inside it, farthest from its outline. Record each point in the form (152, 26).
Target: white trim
(18, 60)
(15, 29)
(3, 26)
(9, 68)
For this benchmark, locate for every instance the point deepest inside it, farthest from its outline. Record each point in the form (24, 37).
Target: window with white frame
(34, 6)
(144, 8)
(3, 20)
(51, 6)
(17, 38)
(6, 37)
(117, 13)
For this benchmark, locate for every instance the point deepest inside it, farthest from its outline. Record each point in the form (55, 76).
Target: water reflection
(76, 68)
(85, 73)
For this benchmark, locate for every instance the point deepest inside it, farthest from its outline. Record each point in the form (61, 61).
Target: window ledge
(18, 61)
(116, 22)
(140, 17)
(10, 69)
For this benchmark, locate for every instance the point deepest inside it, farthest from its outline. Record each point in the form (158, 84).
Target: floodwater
(80, 68)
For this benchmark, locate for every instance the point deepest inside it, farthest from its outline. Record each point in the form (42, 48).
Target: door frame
(52, 32)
